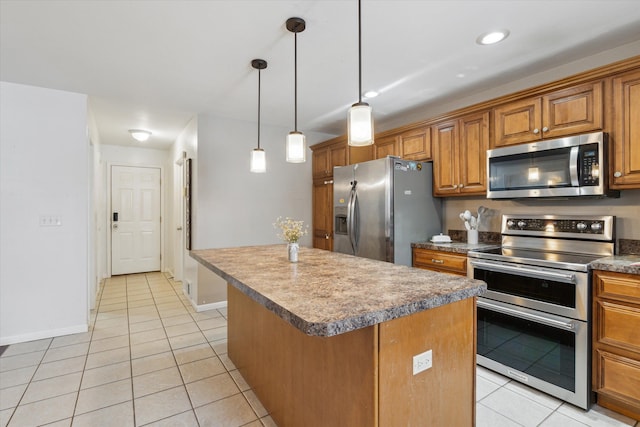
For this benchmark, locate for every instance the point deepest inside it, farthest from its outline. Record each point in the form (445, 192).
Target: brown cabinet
(625, 163)
(577, 109)
(325, 156)
(323, 214)
(459, 155)
(411, 144)
(616, 341)
(444, 262)
(386, 146)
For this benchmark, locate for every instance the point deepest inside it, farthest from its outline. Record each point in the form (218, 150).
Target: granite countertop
(328, 293)
(629, 264)
(455, 247)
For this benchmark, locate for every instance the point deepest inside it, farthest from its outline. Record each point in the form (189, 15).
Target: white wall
(43, 171)
(135, 156)
(234, 207)
(187, 142)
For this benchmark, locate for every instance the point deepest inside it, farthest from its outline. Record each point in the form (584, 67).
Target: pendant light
(296, 149)
(258, 156)
(360, 118)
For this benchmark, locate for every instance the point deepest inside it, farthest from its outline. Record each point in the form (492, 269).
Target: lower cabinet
(444, 262)
(616, 341)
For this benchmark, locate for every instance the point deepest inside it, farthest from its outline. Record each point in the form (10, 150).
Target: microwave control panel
(589, 165)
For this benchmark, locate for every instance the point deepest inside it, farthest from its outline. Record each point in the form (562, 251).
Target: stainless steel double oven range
(534, 320)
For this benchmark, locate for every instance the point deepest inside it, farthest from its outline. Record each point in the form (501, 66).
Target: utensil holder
(472, 237)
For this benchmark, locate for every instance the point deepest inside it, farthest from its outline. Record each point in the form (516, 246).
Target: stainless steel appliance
(383, 205)
(534, 320)
(565, 167)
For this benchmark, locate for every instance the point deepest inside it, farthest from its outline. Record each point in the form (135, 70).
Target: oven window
(538, 350)
(563, 294)
(541, 169)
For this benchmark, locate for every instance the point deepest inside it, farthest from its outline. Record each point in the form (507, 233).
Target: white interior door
(135, 219)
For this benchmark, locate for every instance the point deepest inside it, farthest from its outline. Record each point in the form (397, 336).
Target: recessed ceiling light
(492, 37)
(460, 75)
(371, 94)
(140, 134)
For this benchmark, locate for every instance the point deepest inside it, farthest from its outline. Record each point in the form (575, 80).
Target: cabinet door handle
(455, 186)
(545, 129)
(617, 174)
(536, 131)
(461, 185)
(437, 261)
(326, 236)
(328, 182)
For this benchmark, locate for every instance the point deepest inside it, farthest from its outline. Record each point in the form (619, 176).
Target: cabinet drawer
(619, 286)
(618, 325)
(618, 377)
(440, 261)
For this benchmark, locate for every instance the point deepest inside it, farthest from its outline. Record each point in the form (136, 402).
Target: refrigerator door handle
(351, 220)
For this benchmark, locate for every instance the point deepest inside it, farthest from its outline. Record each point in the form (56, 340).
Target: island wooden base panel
(360, 378)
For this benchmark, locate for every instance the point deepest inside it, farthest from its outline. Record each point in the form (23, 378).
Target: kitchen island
(331, 340)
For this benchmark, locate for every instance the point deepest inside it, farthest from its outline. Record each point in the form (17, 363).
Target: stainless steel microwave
(564, 167)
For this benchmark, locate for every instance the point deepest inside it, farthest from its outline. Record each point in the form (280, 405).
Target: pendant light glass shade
(296, 149)
(360, 125)
(258, 161)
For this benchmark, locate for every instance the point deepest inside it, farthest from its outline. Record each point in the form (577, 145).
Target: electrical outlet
(422, 362)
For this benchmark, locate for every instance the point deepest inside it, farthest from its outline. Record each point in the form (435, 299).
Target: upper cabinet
(410, 144)
(577, 109)
(327, 156)
(460, 155)
(625, 138)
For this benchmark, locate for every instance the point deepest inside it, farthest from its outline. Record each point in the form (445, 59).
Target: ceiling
(154, 64)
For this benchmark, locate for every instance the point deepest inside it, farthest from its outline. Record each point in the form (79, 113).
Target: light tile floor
(150, 360)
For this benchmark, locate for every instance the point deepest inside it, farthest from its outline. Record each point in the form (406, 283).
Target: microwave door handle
(573, 166)
(522, 271)
(526, 316)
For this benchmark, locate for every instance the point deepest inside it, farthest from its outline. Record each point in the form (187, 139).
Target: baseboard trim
(52, 333)
(212, 306)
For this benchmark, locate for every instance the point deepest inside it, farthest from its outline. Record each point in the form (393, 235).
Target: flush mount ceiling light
(360, 118)
(492, 37)
(296, 150)
(139, 134)
(258, 156)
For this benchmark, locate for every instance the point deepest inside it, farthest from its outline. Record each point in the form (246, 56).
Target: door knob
(115, 226)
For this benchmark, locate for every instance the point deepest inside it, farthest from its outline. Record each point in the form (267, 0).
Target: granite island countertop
(328, 293)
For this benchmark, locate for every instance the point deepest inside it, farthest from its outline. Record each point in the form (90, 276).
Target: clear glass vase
(293, 249)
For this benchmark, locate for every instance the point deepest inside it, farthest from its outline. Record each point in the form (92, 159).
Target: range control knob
(521, 224)
(510, 223)
(596, 226)
(581, 226)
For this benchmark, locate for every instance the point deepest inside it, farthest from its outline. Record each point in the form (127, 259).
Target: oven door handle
(523, 271)
(570, 326)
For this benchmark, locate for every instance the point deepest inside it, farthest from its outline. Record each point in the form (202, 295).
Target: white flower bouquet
(291, 229)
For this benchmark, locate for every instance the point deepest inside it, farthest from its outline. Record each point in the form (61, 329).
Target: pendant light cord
(359, 54)
(295, 84)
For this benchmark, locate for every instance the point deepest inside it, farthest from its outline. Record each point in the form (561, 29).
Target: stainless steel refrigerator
(383, 205)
